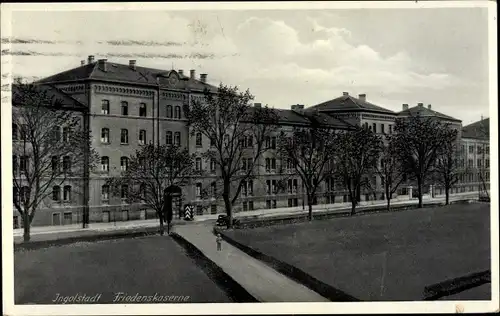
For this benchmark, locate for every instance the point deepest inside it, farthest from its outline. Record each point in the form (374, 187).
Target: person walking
(219, 242)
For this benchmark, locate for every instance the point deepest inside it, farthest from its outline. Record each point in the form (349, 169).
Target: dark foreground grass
(144, 266)
(391, 256)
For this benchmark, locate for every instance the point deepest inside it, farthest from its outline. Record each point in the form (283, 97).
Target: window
(142, 137)
(374, 129)
(244, 164)
(105, 164)
(15, 164)
(295, 185)
(67, 193)
(66, 164)
(198, 164)
(471, 163)
(177, 138)
(67, 218)
(268, 204)
(268, 142)
(273, 163)
(382, 128)
(487, 150)
(105, 135)
(142, 191)
(55, 164)
(65, 134)
(14, 132)
(250, 187)
(290, 186)
(471, 149)
(198, 139)
(24, 194)
(212, 141)
(199, 210)
(250, 205)
(487, 163)
(198, 190)
(290, 202)
(169, 111)
(479, 163)
(213, 188)
(124, 108)
(105, 107)
(168, 138)
(142, 109)
(250, 141)
(212, 165)
(268, 164)
(274, 204)
(105, 192)
(245, 206)
(177, 112)
(23, 132)
(124, 136)
(23, 164)
(274, 186)
(268, 187)
(479, 150)
(273, 142)
(124, 191)
(244, 190)
(124, 163)
(390, 129)
(56, 133)
(213, 209)
(56, 193)
(15, 197)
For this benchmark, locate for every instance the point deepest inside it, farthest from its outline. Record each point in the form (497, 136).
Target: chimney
(257, 105)
(362, 97)
(131, 64)
(429, 106)
(345, 94)
(405, 107)
(420, 104)
(192, 73)
(91, 59)
(298, 107)
(203, 78)
(103, 64)
(181, 72)
(82, 62)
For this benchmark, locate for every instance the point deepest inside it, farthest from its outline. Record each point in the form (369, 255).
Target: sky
(284, 57)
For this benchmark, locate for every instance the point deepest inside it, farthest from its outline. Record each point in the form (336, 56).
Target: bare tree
(237, 134)
(309, 151)
(49, 141)
(418, 141)
(147, 174)
(390, 169)
(358, 154)
(446, 168)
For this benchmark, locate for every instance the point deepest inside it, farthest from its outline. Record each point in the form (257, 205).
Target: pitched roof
(63, 100)
(324, 119)
(125, 74)
(347, 103)
(477, 130)
(424, 111)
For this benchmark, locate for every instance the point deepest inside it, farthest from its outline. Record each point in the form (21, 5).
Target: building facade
(129, 105)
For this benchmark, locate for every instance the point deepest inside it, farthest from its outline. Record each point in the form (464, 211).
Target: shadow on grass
(293, 273)
(233, 289)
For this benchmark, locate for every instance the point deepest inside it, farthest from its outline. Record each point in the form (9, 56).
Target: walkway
(261, 281)
(65, 231)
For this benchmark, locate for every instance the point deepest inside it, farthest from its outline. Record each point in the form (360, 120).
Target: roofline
(356, 110)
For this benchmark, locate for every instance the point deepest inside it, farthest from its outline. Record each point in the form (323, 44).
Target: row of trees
(239, 137)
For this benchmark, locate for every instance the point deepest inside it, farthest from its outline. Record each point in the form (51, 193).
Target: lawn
(147, 266)
(386, 256)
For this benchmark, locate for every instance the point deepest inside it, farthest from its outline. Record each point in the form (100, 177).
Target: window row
(124, 108)
(56, 134)
(373, 128)
(21, 164)
(66, 193)
(124, 192)
(124, 136)
(173, 138)
(124, 162)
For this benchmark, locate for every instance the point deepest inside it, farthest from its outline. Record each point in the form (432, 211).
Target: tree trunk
(162, 228)
(353, 206)
(447, 192)
(388, 203)
(420, 201)
(309, 204)
(26, 226)
(229, 210)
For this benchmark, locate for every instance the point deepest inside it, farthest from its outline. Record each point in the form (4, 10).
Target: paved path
(66, 231)
(260, 280)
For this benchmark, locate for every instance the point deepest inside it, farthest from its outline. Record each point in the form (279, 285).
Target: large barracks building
(130, 105)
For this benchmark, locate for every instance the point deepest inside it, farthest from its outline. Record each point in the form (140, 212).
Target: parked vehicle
(223, 218)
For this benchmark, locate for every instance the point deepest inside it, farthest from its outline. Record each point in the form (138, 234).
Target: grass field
(387, 256)
(147, 266)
